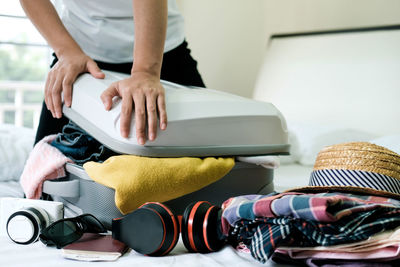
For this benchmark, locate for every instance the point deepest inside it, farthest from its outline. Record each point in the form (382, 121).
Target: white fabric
(104, 29)
(15, 145)
(38, 254)
(11, 189)
(291, 176)
(308, 139)
(294, 149)
(268, 162)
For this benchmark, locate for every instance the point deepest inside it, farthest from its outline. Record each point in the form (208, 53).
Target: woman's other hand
(63, 75)
(143, 92)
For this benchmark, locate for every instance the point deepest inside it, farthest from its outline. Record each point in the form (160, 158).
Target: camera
(23, 219)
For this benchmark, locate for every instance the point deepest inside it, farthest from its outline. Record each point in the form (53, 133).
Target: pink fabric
(319, 211)
(45, 162)
(386, 253)
(388, 238)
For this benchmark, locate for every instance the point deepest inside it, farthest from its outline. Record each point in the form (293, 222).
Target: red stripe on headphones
(176, 231)
(205, 228)
(190, 224)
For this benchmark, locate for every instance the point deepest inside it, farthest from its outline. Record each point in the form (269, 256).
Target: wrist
(68, 51)
(150, 69)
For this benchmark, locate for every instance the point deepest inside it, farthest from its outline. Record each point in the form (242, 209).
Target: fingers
(52, 94)
(107, 96)
(93, 69)
(126, 113)
(162, 111)
(61, 77)
(67, 89)
(126, 106)
(144, 95)
(140, 118)
(56, 97)
(151, 106)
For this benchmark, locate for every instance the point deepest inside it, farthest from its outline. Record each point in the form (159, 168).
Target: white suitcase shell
(201, 122)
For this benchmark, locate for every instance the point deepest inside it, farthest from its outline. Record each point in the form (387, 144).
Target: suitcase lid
(201, 122)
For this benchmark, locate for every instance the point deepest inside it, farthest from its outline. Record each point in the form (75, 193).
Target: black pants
(178, 66)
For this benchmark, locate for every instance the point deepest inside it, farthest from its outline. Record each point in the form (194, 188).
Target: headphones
(153, 229)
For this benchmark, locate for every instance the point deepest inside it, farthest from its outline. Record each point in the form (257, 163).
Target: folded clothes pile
(348, 216)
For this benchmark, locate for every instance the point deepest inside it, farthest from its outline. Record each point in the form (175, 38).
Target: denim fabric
(79, 146)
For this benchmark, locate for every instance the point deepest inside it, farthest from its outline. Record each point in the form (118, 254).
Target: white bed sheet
(290, 176)
(11, 189)
(37, 254)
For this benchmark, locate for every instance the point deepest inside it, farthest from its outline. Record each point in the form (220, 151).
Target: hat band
(356, 178)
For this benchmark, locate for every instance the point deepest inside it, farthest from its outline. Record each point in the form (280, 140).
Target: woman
(144, 38)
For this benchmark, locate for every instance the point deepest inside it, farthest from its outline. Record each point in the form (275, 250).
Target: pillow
(308, 139)
(15, 145)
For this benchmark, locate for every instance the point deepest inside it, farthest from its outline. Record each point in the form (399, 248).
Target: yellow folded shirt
(137, 180)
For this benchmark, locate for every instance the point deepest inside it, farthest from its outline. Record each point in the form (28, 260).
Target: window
(24, 61)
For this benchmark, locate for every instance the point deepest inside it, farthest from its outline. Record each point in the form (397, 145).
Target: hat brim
(344, 189)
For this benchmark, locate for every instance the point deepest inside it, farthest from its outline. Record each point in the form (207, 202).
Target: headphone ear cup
(192, 227)
(154, 229)
(184, 227)
(212, 233)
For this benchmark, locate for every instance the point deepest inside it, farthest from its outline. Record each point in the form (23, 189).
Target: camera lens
(24, 226)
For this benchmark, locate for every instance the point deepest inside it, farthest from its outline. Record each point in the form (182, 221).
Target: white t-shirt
(104, 28)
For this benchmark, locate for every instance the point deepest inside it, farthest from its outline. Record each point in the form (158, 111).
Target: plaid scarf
(265, 222)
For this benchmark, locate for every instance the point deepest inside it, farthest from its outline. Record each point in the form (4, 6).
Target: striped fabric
(264, 223)
(354, 178)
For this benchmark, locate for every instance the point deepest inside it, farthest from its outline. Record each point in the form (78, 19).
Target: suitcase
(80, 194)
(201, 122)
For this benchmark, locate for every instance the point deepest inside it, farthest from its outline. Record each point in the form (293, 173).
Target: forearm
(45, 18)
(150, 19)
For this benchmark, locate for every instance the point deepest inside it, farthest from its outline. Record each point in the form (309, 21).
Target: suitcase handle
(62, 188)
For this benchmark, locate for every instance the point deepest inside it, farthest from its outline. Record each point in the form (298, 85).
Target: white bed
(292, 78)
(37, 254)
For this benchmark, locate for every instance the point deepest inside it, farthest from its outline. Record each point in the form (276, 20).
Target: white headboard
(349, 78)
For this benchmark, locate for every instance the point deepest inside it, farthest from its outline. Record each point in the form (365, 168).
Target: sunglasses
(67, 231)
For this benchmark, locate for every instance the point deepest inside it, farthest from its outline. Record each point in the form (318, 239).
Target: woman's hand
(62, 76)
(144, 92)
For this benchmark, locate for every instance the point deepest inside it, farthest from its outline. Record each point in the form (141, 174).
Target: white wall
(228, 37)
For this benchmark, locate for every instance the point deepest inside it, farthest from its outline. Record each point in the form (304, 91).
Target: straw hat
(358, 167)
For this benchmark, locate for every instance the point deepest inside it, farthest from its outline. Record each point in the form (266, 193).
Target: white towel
(268, 162)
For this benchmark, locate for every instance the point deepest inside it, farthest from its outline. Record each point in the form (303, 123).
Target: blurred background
(228, 38)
